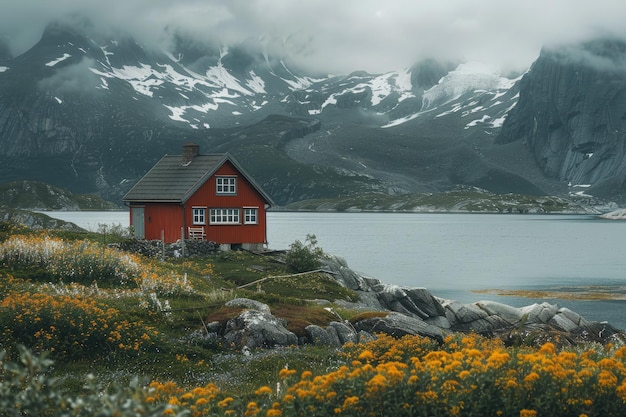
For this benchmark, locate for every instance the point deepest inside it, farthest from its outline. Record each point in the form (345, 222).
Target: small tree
(303, 257)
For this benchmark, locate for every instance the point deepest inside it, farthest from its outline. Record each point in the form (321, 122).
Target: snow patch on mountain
(106, 54)
(256, 84)
(296, 82)
(331, 100)
(497, 123)
(466, 78)
(464, 91)
(380, 88)
(219, 76)
(191, 96)
(60, 59)
(178, 112)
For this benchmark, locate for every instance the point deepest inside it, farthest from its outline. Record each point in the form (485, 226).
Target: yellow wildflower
(263, 390)
(366, 355)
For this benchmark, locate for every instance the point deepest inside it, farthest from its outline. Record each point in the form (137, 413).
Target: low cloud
(76, 78)
(602, 55)
(341, 36)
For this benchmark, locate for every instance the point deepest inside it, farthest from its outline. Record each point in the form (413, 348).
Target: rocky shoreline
(400, 311)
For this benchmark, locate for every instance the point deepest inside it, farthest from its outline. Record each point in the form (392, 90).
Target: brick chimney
(189, 151)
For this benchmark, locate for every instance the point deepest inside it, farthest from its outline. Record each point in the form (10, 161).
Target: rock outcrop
(36, 221)
(417, 311)
(256, 329)
(399, 311)
(570, 115)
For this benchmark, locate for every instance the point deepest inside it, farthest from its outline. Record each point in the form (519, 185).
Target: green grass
(463, 375)
(181, 352)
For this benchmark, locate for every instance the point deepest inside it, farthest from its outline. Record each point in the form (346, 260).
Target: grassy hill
(128, 336)
(158, 309)
(470, 200)
(34, 195)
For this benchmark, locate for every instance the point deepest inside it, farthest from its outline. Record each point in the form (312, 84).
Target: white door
(137, 219)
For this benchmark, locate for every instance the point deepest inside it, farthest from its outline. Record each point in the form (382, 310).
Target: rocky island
(400, 311)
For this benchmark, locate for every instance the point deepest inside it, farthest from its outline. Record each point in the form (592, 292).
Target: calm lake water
(454, 254)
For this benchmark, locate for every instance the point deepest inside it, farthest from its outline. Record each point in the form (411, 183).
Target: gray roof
(174, 182)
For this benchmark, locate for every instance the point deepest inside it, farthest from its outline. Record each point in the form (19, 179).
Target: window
(198, 215)
(226, 185)
(250, 215)
(224, 216)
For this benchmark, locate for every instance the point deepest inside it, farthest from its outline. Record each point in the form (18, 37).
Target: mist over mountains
(93, 113)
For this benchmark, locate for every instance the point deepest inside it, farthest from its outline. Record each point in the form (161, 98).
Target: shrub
(80, 261)
(304, 257)
(69, 325)
(87, 262)
(26, 389)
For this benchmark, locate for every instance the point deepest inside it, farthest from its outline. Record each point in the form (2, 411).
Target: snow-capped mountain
(93, 114)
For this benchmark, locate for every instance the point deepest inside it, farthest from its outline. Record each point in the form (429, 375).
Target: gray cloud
(74, 78)
(340, 36)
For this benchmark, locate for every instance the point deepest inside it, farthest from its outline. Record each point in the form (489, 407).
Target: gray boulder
(255, 329)
(458, 313)
(426, 301)
(320, 336)
(485, 326)
(398, 325)
(248, 304)
(336, 334)
(568, 320)
(539, 313)
(561, 322)
(573, 316)
(344, 332)
(333, 336)
(396, 298)
(365, 337)
(344, 275)
(439, 321)
(483, 317)
(510, 314)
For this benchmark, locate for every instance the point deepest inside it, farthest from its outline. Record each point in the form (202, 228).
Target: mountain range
(92, 114)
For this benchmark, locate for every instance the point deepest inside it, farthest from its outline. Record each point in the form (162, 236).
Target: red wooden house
(199, 197)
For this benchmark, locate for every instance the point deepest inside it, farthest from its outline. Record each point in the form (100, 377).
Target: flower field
(84, 262)
(467, 375)
(69, 325)
(71, 315)
(101, 312)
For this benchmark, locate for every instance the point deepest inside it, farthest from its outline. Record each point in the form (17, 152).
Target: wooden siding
(246, 196)
(160, 217)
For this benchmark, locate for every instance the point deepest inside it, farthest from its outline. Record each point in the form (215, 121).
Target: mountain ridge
(93, 115)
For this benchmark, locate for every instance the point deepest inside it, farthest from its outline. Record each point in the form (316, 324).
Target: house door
(137, 217)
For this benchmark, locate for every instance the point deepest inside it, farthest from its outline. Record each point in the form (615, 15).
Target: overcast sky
(343, 35)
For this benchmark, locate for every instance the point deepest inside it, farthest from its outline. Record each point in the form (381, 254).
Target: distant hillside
(33, 195)
(464, 200)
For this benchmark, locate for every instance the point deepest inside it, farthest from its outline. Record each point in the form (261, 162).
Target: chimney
(189, 151)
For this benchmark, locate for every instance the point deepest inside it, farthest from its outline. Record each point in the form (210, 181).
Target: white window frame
(224, 216)
(251, 215)
(226, 185)
(198, 215)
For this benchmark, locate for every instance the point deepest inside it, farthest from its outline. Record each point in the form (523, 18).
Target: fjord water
(454, 254)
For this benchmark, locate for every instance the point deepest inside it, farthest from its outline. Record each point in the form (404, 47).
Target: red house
(199, 197)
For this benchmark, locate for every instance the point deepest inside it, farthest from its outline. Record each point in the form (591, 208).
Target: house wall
(166, 218)
(246, 196)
